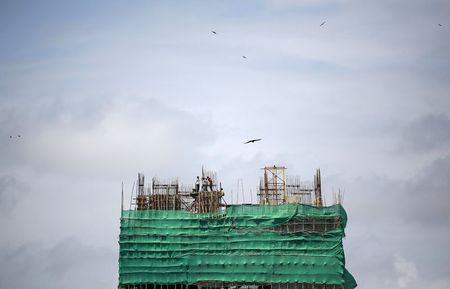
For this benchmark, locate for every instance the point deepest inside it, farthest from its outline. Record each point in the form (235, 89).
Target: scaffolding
(277, 188)
(234, 285)
(298, 191)
(165, 195)
(244, 246)
(179, 236)
(142, 199)
(205, 197)
(318, 189)
(272, 188)
(207, 201)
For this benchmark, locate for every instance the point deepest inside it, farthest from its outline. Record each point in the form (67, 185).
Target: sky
(101, 90)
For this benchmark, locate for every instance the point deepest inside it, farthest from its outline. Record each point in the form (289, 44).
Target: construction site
(175, 236)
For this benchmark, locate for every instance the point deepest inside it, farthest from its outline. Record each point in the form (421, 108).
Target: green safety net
(238, 244)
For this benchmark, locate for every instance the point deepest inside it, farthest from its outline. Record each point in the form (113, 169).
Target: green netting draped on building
(238, 244)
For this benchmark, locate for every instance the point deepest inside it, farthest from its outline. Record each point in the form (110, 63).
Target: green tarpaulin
(238, 244)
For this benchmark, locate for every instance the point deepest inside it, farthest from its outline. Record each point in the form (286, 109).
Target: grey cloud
(29, 114)
(422, 199)
(67, 263)
(426, 134)
(11, 190)
(428, 194)
(403, 217)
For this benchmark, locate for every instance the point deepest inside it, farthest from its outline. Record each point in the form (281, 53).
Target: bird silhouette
(253, 140)
(243, 56)
(323, 23)
(440, 24)
(212, 31)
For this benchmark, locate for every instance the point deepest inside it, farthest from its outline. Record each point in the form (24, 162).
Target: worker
(204, 184)
(197, 184)
(210, 182)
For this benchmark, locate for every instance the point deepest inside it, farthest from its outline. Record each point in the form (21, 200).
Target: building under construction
(186, 237)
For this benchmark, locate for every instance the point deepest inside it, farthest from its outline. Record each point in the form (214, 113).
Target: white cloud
(130, 134)
(407, 274)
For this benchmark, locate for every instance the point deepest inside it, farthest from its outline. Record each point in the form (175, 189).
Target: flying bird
(253, 140)
(323, 23)
(440, 24)
(212, 31)
(243, 56)
(18, 135)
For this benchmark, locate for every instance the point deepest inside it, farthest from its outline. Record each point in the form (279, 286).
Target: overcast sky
(101, 90)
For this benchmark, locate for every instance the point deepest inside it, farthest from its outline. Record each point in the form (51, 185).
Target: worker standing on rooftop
(197, 184)
(209, 182)
(204, 184)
